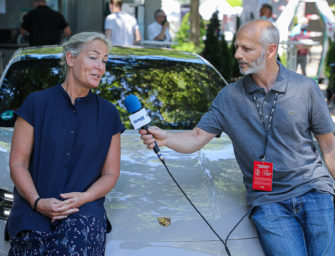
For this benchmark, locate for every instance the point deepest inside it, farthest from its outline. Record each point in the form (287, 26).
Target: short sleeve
(320, 119)
(63, 23)
(116, 120)
(26, 110)
(108, 23)
(212, 121)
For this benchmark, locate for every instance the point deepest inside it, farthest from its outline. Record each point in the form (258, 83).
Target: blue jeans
(299, 226)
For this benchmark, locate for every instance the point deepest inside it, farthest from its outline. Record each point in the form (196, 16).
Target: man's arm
(108, 34)
(138, 37)
(183, 142)
(161, 35)
(67, 31)
(23, 31)
(327, 146)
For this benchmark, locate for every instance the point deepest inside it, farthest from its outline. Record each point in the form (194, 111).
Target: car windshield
(176, 93)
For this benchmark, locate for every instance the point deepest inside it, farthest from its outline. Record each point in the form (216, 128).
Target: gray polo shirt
(300, 111)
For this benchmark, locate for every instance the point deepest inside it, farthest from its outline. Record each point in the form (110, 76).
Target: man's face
(265, 12)
(250, 53)
(160, 17)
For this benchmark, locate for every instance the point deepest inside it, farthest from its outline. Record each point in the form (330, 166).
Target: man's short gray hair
(270, 35)
(77, 42)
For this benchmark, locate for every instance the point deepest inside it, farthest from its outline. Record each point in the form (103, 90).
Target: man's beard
(256, 66)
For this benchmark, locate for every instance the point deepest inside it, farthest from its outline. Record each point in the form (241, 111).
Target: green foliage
(176, 91)
(184, 30)
(182, 36)
(227, 59)
(216, 50)
(235, 68)
(234, 3)
(211, 51)
(283, 59)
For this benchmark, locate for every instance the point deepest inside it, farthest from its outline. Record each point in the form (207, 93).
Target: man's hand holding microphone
(154, 134)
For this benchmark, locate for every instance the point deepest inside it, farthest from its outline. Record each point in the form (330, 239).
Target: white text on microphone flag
(139, 119)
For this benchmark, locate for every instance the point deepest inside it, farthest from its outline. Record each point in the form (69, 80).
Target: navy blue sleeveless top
(70, 147)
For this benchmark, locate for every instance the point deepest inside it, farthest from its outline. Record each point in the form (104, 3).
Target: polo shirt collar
(279, 86)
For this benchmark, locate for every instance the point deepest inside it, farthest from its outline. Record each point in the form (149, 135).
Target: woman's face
(89, 66)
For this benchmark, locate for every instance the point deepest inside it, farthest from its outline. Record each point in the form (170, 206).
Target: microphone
(139, 118)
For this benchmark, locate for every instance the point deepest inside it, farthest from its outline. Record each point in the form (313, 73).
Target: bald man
(271, 115)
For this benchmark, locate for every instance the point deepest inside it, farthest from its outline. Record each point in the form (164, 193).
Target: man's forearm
(188, 142)
(330, 162)
(327, 147)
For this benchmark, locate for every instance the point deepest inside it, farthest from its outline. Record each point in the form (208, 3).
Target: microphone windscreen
(132, 103)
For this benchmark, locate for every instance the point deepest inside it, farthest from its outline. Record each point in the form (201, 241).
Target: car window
(175, 93)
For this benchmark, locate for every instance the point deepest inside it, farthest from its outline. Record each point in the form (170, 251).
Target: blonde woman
(65, 158)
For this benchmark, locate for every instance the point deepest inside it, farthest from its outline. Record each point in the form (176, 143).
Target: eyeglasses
(160, 16)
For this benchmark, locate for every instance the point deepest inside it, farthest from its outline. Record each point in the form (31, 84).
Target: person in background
(60, 171)
(159, 29)
(303, 51)
(120, 27)
(265, 12)
(44, 25)
(271, 115)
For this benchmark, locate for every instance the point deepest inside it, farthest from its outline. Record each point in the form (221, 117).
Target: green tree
(235, 69)
(227, 68)
(330, 58)
(182, 36)
(216, 49)
(212, 50)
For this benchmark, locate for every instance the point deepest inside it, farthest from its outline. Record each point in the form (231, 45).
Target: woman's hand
(55, 209)
(75, 199)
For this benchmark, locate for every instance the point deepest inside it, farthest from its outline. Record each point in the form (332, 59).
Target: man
(159, 29)
(270, 115)
(265, 12)
(44, 25)
(303, 51)
(120, 27)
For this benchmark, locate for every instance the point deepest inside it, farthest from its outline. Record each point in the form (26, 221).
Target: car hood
(145, 192)
(211, 179)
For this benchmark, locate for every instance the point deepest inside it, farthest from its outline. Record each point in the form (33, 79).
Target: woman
(65, 158)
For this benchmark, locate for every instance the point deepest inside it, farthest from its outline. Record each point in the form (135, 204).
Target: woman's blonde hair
(76, 44)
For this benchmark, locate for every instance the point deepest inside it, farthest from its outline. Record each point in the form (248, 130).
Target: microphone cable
(160, 157)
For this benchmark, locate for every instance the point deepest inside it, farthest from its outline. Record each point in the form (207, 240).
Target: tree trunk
(195, 22)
